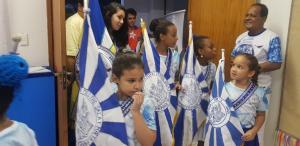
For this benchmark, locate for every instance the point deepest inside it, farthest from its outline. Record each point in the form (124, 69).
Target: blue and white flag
(99, 121)
(106, 47)
(159, 84)
(223, 127)
(190, 115)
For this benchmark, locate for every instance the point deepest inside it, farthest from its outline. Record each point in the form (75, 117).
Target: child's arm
(259, 121)
(145, 136)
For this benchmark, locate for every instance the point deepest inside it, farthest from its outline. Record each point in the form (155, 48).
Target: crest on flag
(223, 126)
(190, 115)
(99, 121)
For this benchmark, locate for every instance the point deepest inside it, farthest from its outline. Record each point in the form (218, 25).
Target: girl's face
(117, 19)
(208, 51)
(130, 82)
(240, 70)
(170, 38)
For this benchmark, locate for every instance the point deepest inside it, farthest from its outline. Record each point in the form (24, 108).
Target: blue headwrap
(12, 70)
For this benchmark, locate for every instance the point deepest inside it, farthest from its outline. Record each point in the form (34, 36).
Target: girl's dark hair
(198, 42)
(120, 37)
(6, 97)
(161, 28)
(126, 61)
(253, 65)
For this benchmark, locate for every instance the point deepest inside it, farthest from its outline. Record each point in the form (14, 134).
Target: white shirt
(18, 134)
(264, 46)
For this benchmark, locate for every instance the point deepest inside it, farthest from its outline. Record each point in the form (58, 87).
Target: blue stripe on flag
(178, 130)
(206, 127)
(174, 101)
(110, 103)
(169, 119)
(99, 77)
(155, 56)
(158, 138)
(212, 137)
(204, 105)
(93, 144)
(214, 91)
(221, 82)
(195, 127)
(219, 137)
(113, 129)
(235, 138)
(83, 52)
(97, 22)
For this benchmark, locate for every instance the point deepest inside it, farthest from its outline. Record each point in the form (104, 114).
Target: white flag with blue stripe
(159, 84)
(99, 121)
(223, 127)
(190, 115)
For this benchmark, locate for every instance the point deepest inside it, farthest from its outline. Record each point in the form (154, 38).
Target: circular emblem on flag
(157, 87)
(107, 57)
(190, 97)
(218, 112)
(89, 118)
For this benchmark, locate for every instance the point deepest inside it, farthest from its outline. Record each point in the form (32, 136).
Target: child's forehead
(136, 70)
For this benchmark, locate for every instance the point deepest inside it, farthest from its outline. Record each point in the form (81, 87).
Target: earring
(201, 56)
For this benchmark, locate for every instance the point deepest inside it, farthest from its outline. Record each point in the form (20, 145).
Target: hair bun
(12, 70)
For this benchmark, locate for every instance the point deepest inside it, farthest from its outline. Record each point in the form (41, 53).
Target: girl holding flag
(249, 100)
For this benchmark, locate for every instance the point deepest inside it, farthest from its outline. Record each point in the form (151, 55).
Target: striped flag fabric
(158, 84)
(190, 115)
(223, 127)
(99, 120)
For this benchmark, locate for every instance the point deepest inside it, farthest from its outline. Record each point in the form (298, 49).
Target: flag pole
(223, 53)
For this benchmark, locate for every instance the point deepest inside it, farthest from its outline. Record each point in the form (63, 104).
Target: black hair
(131, 11)
(263, 9)
(125, 61)
(198, 42)
(6, 97)
(120, 37)
(253, 65)
(80, 2)
(161, 28)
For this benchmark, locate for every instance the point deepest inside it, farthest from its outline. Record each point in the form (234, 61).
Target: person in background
(12, 133)
(204, 51)
(264, 45)
(116, 23)
(74, 30)
(134, 32)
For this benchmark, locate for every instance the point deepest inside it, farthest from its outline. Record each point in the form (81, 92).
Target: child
(205, 52)
(12, 70)
(128, 74)
(248, 100)
(165, 35)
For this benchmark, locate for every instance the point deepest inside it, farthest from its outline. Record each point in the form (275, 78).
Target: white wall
(30, 17)
(278, 21)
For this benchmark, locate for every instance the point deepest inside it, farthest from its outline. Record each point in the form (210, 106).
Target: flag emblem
(189, 99)
(158, 88)
(218, 112)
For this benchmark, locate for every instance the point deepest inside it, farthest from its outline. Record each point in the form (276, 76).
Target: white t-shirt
(247, 112)
(264, 46)
(18, 134)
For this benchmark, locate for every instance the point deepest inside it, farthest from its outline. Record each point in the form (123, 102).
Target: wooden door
(221, 20)
(57, 59)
